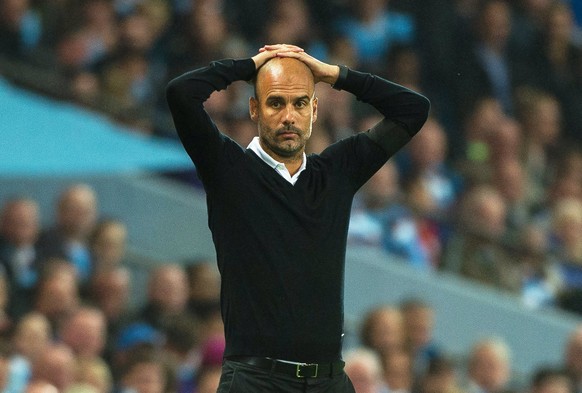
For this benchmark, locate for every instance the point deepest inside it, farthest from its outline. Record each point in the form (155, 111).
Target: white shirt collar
(256, 147)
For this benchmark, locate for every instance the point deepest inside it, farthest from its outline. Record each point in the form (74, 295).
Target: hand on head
(322, 72)
(268, 52)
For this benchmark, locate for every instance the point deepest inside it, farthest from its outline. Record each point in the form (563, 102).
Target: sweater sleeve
(404, 110)
(186, 96)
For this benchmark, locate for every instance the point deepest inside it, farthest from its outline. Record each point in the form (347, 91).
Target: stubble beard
(287, 148)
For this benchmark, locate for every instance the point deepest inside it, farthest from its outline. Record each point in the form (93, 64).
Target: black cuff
(343, 74)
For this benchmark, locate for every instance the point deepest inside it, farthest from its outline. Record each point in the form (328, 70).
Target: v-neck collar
(280, 167)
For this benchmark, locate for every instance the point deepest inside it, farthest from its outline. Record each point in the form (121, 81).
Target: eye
(301, 104)
(275, 104)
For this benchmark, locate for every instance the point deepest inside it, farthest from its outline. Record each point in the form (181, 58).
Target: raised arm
(186, 96)
(404, 110)
(187, 93)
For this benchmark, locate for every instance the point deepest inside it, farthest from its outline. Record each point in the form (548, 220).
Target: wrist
(332, 75)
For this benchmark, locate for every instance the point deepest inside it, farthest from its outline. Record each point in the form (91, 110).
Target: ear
(253, 109)
(314, 110)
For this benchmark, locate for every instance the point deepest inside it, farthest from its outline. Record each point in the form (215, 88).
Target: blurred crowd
(398, 353)
(490, 189)
(68, 323)
(67, 320)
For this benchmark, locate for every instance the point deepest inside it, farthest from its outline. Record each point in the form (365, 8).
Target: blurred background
(464, 266)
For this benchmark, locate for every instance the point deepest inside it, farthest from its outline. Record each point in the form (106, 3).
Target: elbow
(177, 94)
(172, 90)
(422, 112)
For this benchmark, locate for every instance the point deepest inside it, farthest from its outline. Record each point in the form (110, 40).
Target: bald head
(281, 71)
(77, 210)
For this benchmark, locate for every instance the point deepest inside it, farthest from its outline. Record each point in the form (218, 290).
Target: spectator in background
(20, 28)
(55, 365)
(382, 217)
(557, 61)
(87, 43)
(440, 377)
(291, 21)
(373, 29)
(109, 291)
(76, 216)
(488, 69)
(480, 126)
(85, 332)
(430, 228)
(181, 348)
(426, 156)
(539, 113)
(32, 335)
(476, 250)
(364, 368)
(566, 238)
(489, 368)
(383, 330)
(94, 373)
(204, 34)
(204, 288)
(107, 245)
(19, 255)
(135, 337)
(167, 295)
(529, 17)
(404, 66)
(57, 293)
(418, 317)
(573, 357)
(551, 380)
(397, 371)
(541, 274)
(510, 179)
(145, 372)
(379, 194)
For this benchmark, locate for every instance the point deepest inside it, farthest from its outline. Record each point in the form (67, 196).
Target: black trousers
(243, 378)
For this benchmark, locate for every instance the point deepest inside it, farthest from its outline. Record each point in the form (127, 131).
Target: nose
(289, 115)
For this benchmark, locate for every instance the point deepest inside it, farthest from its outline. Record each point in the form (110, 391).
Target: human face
(284, 107)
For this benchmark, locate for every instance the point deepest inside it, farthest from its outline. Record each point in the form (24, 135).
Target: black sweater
(281, 247)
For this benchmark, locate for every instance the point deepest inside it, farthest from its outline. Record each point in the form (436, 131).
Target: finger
(283, 47)
(294, 54)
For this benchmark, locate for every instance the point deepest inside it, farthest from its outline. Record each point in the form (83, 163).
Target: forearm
(187, 93)
(401, 106)
(194, 87)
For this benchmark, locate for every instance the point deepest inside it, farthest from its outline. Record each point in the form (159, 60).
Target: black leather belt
(300, 370)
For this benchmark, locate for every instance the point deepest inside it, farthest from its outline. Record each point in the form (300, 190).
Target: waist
(296, 370)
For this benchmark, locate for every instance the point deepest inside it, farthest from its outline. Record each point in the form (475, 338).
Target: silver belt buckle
(303, 366)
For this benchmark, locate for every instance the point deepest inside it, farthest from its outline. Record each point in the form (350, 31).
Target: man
(76, 215)
(19, 254)
(489, 368)
(85, 332)
(278, 218)
(573, 357)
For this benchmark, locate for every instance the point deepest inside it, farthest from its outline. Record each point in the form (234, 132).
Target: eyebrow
(280, 97)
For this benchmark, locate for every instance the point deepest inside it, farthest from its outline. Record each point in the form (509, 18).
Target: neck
(292, 163)
(293, 167)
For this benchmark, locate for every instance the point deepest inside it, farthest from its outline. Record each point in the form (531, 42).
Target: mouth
(287, 133)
